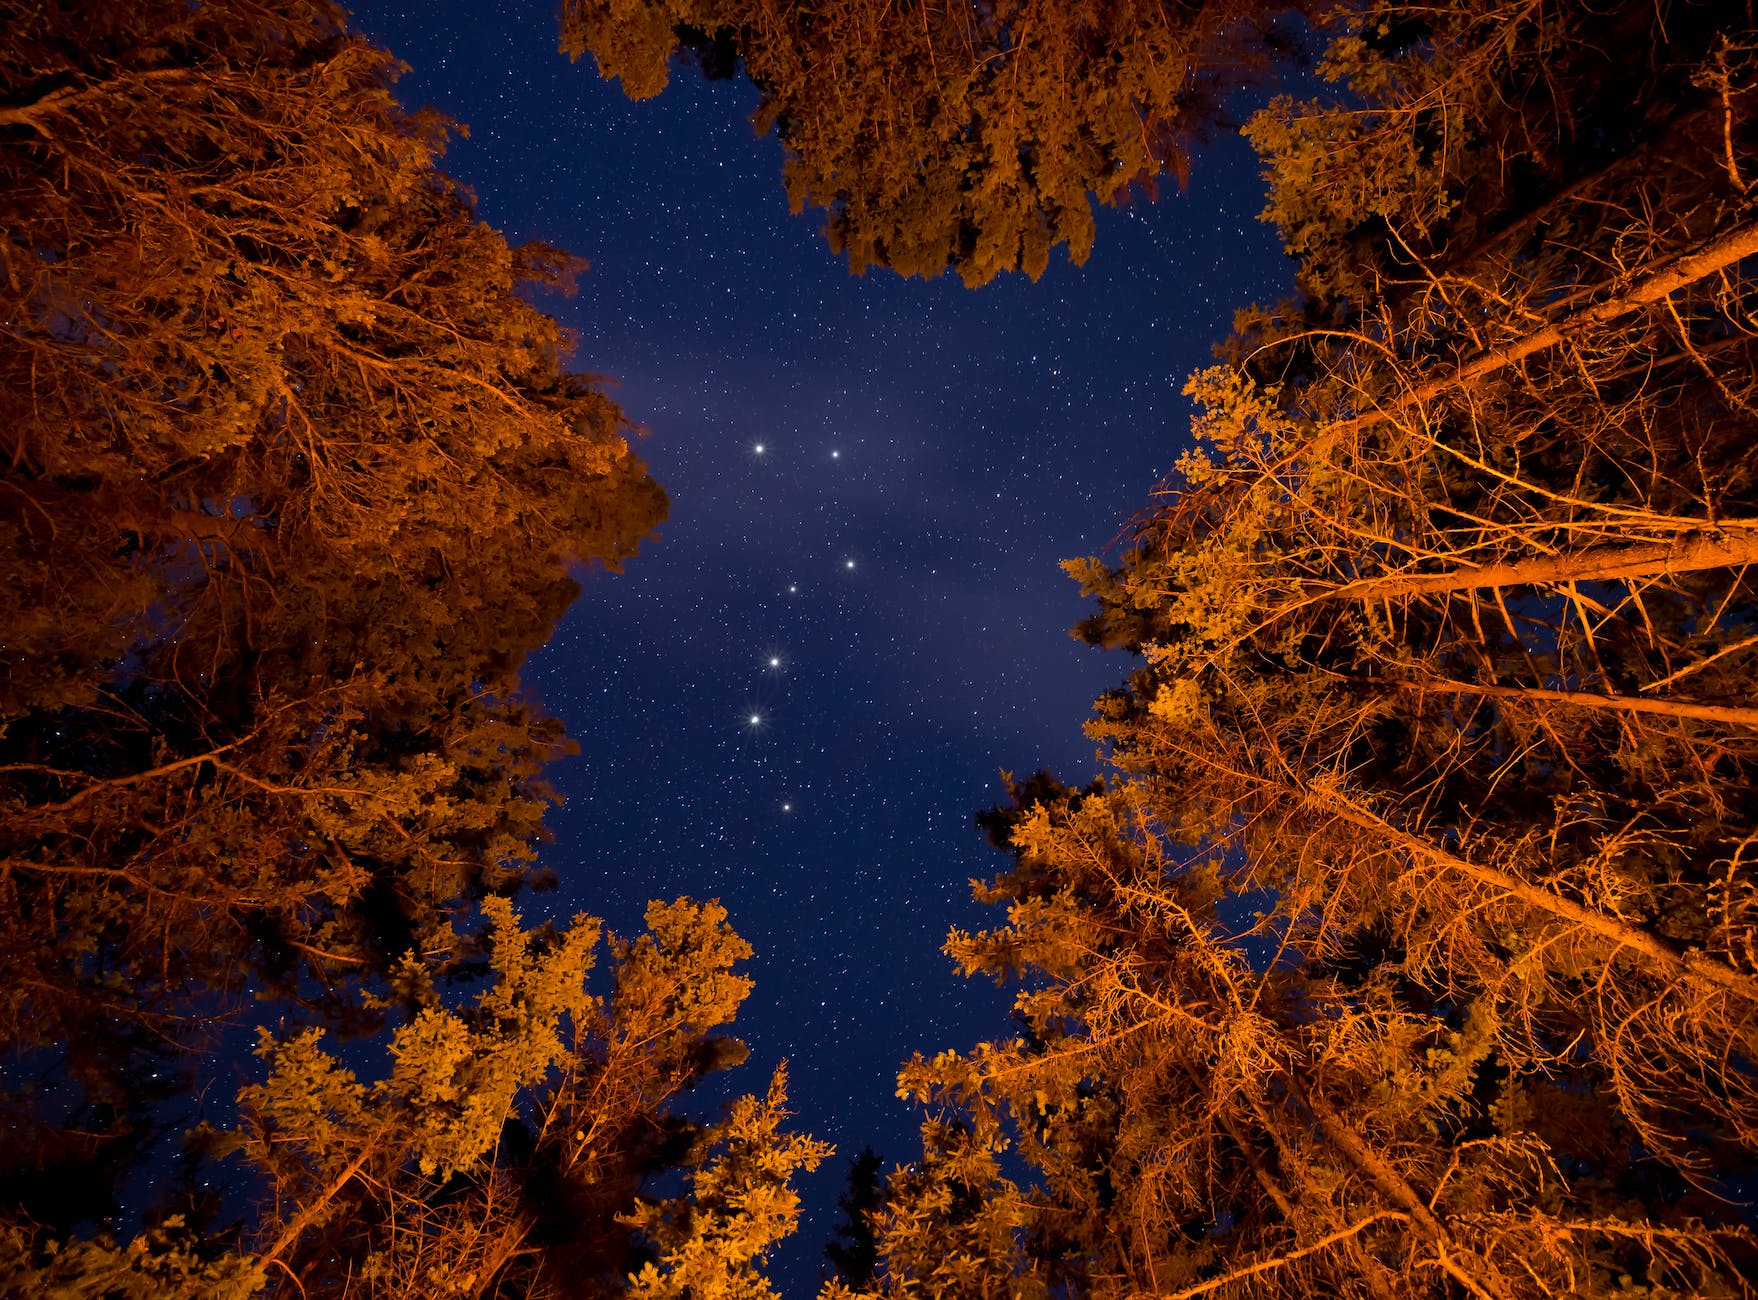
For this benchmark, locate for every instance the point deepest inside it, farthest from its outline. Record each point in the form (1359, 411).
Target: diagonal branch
(1736, 245)
(1583, 699)
(1282, 1261)
(1726, 545)
(1691, 964)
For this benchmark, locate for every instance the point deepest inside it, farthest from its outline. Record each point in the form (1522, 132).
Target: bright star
(848, 564)
(836, 455)
(787, 807)
(758, 449)
(792, 590)
(775, 661)
(755, 719)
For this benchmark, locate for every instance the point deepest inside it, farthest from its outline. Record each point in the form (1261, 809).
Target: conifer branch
(1693, 965)
(1720, 254)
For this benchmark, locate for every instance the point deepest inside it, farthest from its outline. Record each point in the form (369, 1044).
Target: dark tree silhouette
(854, 1252)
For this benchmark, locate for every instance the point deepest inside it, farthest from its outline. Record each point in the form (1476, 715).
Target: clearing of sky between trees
(1408, 944)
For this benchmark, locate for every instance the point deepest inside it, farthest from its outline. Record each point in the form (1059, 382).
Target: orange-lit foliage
(293, 479)
(1411, 948)
(962, 136)
(1202, 1117)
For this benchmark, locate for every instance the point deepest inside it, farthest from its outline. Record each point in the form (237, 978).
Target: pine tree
(854, 1251)
(295, 479)
(712, 1244)
(1203, 1116)
(1407, 948)
(505, 1149)
(1445, 623)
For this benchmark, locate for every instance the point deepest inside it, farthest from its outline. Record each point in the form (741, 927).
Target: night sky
(798, 696)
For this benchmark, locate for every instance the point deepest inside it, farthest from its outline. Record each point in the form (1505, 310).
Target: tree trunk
(1732, 544)
(1737, 244)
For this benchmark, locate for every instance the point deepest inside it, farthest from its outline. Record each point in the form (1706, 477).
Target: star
(792, 590)
(758, 449)
(848, 564)
(836, 455)
(775, 661)
(756, 719)
(787, 807)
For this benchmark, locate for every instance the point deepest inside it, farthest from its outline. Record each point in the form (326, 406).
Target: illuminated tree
(294, 479)
(1205, 1116)
(505, 1149)
(970, 137)
(1409, 947)
(1447, 620)
(712, 1244)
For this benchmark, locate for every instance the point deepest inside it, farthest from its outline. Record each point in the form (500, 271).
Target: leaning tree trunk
(1722, 546)
(1731, 248)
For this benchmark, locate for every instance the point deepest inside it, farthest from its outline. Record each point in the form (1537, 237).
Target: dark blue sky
(929, 453)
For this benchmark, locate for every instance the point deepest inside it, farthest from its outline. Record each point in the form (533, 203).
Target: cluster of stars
(756, 719)
(1053, 397)
(761, 448)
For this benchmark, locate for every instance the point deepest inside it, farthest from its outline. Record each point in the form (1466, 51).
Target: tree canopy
(1407, 945)
(967, 137)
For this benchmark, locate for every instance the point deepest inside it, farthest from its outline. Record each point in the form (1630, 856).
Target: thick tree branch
(1729, 545)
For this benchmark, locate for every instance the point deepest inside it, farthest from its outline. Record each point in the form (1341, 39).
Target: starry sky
(796, 698)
